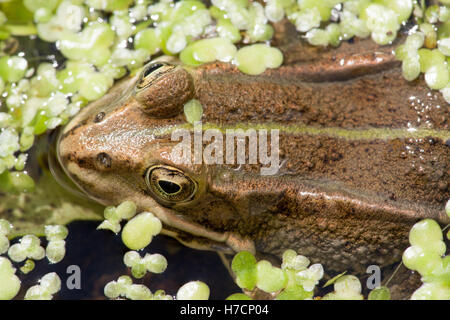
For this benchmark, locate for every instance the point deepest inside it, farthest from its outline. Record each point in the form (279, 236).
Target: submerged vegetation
(296, 279)
(103, 41)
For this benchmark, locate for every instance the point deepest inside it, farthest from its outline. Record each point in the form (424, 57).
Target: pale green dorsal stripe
(348, 134)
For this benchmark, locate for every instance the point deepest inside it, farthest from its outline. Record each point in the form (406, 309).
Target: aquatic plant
(48, 285)
(295, 279)
(56, 246)
(104, 40)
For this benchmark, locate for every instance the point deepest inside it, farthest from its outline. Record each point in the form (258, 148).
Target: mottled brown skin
(344, 203)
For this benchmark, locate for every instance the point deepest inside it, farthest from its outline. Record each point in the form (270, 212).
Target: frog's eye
(163, 89)
(152, 72)
(169, 184)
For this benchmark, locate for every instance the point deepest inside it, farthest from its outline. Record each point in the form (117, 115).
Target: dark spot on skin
(442, 185)
(104, 159)
(99, 117)
(431, 141)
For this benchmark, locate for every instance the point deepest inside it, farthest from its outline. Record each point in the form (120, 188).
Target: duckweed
(29, 246)
(48, 285)
(114, 215)
(148, 39)
(56, 246)
(426, 255)
(193, 290)
(380, 293)
(244, 267)
(255, 59)
(15, 181)
(346, 288)
(154, 263)
(139, 231)
(208, 50)
(239, 296)
(193, 111)
(103, 40)
(226, 30)
(95, 36)
(28, 266)
(310, 277)
(5, 228)
(12, 69)
(297, 280)
(269, 278)
(294, 280)
(124, 287)
(292, 260)
(444, 46)
(10, 282)
(91, 45)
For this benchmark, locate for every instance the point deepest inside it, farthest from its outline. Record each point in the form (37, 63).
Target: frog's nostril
(99, 117)
(104, 159)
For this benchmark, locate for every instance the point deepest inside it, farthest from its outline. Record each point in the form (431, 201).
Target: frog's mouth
(57, 169)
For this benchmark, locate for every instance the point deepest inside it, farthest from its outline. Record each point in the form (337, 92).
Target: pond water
(99, 254)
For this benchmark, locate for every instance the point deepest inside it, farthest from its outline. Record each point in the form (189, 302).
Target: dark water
(99, 255)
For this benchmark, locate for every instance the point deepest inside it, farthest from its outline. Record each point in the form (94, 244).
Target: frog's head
(120, 148)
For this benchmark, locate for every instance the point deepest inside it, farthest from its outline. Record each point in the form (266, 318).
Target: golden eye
(169, 184)
(151, 72)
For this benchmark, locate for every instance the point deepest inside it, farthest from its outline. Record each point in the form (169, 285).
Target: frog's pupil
(169, 187)
(152, 68)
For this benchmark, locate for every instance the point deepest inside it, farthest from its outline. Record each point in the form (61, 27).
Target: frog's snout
(163, 89)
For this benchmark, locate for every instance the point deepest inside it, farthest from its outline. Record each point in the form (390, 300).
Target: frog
(363, 153)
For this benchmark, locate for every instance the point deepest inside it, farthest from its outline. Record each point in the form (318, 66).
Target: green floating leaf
(269, 278)
(10, 282)
(381, 293)
(193, 111)
(239, 296)
(295, 292)
(16, 182)
(139, 231)
(28, 266)
(244, 266)
(193, 290)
